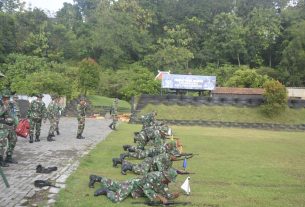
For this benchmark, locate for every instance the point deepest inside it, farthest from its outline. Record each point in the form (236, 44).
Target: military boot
(140, 147)
(37, 139)
(79, 136)
(2, 163)
(131, 149)
(101, 191)
(57, 132)
(125, 147)
(125, 167)
(116, 161)
(31, 138)
(9, 159)
(123, 156)
(50, 139)
(93, 179)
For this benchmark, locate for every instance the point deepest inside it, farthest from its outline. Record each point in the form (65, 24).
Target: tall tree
(263, 29)
(12, 6)
(293, 58)
(226, 38)
(88, 75)
(172, 52)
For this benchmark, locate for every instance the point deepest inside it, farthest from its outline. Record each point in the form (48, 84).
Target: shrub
(275, 98)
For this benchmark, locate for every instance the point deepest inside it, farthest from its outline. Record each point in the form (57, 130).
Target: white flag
(186, 186)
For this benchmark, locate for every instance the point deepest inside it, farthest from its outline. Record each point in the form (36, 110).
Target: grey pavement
(63, 153)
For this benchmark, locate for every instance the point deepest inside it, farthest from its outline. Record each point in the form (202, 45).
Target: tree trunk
(270, 63)
(238, 59)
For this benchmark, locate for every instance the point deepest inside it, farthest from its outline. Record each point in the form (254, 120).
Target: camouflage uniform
(37, 112)
(151, 186)
(148, 119)
(156, 135)
(4, 133)
(81, 114)
(52, 114)
(58, 114)
(12, 137)
(160, 162)
(114, 114)
(169, 147)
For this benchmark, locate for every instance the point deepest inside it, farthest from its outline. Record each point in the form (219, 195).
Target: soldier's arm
(3, 110)
(79, 111)
(44, 111)
(29, 111)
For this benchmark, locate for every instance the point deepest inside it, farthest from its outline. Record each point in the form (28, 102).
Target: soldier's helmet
(171, 147)
(82, 98)
(165, 129)
(170, 174)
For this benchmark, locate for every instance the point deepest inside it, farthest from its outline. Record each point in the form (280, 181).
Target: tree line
(115, 47)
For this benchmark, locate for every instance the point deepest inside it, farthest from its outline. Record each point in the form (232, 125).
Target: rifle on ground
(184, 172)
(169, 203)
(4, 178)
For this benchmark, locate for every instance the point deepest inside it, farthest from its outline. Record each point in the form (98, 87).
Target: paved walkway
(63, 153)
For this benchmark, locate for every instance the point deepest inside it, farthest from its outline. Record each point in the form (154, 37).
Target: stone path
(63, 153)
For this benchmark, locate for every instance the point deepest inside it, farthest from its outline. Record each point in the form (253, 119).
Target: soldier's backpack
(23, 128)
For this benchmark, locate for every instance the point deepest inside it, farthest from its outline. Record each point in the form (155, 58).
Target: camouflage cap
(39, 95)
(170, 174)
(82, 98)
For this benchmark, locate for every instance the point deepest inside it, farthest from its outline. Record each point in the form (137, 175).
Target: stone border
(205, 123)
(202, 100)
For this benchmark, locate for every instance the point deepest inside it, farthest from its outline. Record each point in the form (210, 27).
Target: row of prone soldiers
(10, 117)
(156, 168)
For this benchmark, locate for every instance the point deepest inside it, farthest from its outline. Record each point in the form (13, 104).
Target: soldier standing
(153, 185)
(12, 136)
(58, 114)
(81, 114)
(114, 113)
(52, 113)
(36, 112)
(7, 140)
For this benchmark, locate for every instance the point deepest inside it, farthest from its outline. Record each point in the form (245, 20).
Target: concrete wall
(296, 93)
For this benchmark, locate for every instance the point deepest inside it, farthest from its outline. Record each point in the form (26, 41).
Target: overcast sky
(47, 5)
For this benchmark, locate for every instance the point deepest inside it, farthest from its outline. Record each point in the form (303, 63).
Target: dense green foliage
(234, 168)
(127, 37)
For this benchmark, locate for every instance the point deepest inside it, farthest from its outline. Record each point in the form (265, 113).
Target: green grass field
(236, 168)
(225, 113)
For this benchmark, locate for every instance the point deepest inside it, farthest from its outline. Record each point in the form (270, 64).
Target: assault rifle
(169, 203)
(4, 178)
